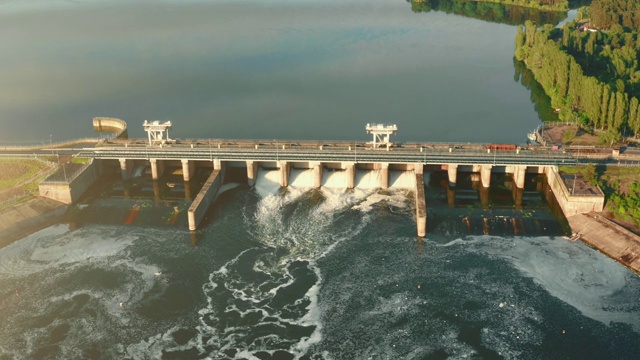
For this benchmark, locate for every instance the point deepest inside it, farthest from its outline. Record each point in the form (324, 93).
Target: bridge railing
(49, 145)
(69, 177)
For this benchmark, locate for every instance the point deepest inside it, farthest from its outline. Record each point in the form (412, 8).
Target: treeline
(606, 13)
(556, 5)
(489, 11)
(611, 57)
(609, 106)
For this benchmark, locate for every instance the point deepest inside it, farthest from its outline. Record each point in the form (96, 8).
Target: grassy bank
(621, 187)
(19, 179)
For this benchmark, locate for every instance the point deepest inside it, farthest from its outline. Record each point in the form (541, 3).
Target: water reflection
(491, 12)
(541, 101)
(296, 70)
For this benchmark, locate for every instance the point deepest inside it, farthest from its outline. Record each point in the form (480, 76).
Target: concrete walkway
(610, 238)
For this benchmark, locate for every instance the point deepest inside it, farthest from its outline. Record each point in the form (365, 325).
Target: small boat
(171, 184)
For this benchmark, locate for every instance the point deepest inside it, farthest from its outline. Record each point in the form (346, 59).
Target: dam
(379, 162)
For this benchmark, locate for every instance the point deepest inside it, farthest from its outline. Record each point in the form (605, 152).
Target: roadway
(303, 151)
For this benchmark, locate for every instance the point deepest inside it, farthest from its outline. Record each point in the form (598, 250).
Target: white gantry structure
(155, 130)
(381, 133)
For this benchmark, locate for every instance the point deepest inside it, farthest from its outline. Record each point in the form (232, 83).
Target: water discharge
(268, 295)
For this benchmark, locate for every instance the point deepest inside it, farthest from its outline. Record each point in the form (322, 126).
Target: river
(295, 273)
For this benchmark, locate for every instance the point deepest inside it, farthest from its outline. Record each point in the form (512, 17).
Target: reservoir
(295, 273)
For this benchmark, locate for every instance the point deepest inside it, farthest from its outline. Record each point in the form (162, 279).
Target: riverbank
(609, 238)
(28, 217)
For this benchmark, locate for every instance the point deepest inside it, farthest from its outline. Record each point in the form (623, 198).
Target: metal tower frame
(155, 130)
(381, 134)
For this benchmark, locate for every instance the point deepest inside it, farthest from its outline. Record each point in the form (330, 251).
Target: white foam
(334, 180)
(402, 180)
(301, 179)
(57, 246)
(574, 273)
(267, 182)
(368, 179)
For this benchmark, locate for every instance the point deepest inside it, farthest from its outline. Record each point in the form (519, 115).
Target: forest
(556, 5)
(606, 13)
(591, 76)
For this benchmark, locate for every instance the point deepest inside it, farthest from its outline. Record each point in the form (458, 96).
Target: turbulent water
(292, 273)
(302, 273)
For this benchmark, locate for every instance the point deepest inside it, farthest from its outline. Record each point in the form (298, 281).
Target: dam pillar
(217, 164)
(124, 169)
(204, 199)
(252, 172)
(156, 193)
(419, 169)
(484, 196)
(519, 174)
(284, 173)
(452, 171)
(518, 194)
(188, 168)
(317, 174)
(421, 206)
(187, 190)
(384, 175)
(485, 175)
(350, 168)
(157, 168)
(451, 196)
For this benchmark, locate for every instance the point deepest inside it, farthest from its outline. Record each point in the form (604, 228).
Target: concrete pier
(204, 199)
(610, 238)
(317, 174)
(572, 204)
(350, 168)
(519, 174)
(252, 172)
(125, 168)
(451, 196)
(484, 196)
(383, 175)
(485, 175)
(284, 173)
(187, 190)
(217, 164)
(421, 207)
(69, 189)
(188, 168)
(157, 168)
(452, 172)
(518, 194)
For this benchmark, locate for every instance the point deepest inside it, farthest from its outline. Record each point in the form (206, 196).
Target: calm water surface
(258, 69)
(296, 273)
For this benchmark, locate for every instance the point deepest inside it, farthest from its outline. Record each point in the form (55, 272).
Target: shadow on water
(490, 12)
(502, 209)
(139, 201)
(541, 101)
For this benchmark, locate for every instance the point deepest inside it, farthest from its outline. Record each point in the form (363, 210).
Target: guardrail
(68, 177)
(51, 145)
